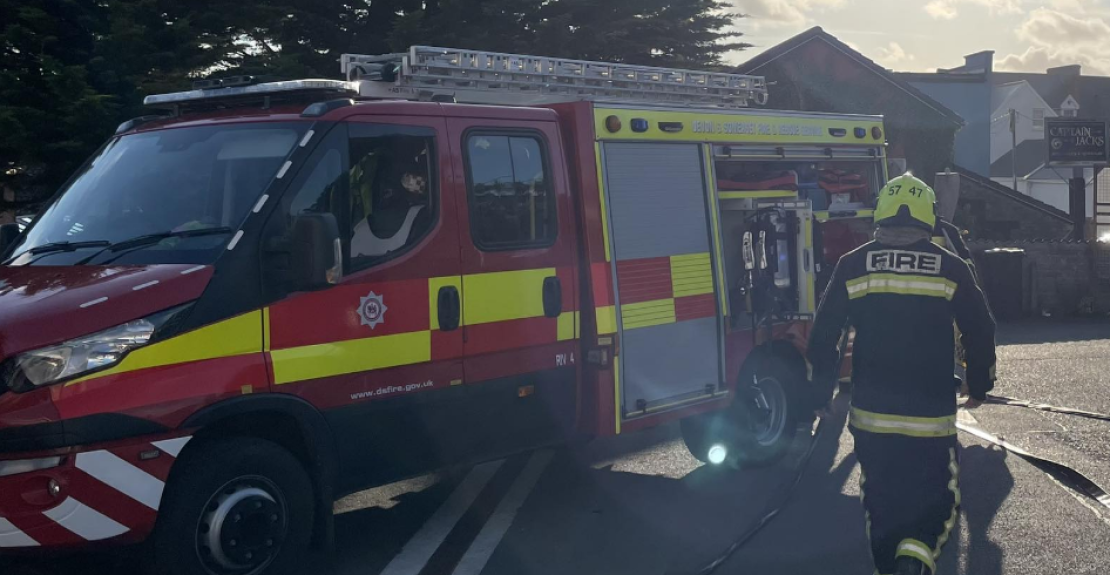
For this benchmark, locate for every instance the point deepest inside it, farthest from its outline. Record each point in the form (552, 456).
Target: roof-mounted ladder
(427, 73)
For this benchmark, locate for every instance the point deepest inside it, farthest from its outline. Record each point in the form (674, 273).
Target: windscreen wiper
(59, 247)
(151, 239)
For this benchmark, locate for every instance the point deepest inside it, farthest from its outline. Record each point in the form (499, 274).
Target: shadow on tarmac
(820, 531)
(634, 519)
(985, 482)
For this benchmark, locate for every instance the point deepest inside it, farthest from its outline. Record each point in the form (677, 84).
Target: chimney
(979, 62)
(1073, 70)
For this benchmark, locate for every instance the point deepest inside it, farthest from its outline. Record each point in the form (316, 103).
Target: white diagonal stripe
(120, 475)
(494, 530)
(84, 521)
(11, 536)
(172, 446)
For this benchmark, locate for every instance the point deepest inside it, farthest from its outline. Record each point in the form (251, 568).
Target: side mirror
(8, 234)
(316, 253)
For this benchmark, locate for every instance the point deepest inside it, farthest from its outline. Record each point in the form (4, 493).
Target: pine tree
(54, 107)
(72, 70)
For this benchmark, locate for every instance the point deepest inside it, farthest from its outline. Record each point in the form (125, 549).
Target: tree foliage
(71, 70)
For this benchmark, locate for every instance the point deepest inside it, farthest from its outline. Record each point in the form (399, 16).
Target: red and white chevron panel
(106, 493)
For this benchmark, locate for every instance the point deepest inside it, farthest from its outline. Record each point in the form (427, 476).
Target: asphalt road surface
(640, 505)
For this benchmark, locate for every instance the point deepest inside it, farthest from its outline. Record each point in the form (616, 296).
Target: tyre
(768, 410)
(238, 506)
(760, 425)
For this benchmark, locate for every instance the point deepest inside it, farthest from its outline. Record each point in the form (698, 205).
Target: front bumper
(109, 492)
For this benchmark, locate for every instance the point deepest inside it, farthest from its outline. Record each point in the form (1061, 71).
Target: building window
(1038, 118)
(511, 202)
(1067, 113)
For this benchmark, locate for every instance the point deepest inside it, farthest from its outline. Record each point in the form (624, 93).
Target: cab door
(520, 303)
(379, 353)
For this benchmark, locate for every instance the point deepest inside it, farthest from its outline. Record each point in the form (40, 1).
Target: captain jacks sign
(1073, 141)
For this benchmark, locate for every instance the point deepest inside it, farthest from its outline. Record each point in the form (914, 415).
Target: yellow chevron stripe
(601, 193)
(606, 318)
(239, 335)
(691, 274)
(352, 356)
(567, 327)
(648, 313)
(715, 222)
(503, 296)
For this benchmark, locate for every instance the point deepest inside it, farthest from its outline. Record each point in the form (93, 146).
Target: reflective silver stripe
(918, 550)
(120, 475)
(872, 283)
(84, 521)
(12, 536)
(919, 426)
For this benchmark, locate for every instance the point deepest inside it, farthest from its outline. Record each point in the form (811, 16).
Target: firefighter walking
(902, 293)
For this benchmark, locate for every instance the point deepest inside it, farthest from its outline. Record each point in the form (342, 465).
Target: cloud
(941, 10)
(1058, 38)
(892, 54)
(1047, 27)
(948, 9)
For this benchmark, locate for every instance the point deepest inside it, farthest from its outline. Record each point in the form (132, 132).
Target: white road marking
(84, 521)
(110, 469)
(964, 416)
(498, 524)
(423, 545)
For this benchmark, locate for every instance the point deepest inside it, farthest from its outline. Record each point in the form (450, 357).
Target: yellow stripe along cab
(269, 295)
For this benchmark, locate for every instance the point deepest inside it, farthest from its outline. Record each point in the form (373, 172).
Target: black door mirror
(316, 254)
(8, 234)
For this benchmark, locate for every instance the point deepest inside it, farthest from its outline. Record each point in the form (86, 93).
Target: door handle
(449, 308)
(552, 297)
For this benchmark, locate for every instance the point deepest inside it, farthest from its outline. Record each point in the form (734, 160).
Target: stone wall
(1063, 278)
(990, 211)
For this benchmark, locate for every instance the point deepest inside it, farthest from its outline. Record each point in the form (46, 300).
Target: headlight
(84, 354)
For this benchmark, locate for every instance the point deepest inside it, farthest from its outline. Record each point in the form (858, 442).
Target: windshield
(163, 182)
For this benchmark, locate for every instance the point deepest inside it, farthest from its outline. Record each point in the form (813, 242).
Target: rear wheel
(760, 425)
(234, 507)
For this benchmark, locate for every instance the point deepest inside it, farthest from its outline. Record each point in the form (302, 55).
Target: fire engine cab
(273, 294)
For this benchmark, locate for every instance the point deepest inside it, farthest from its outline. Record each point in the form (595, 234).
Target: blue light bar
(268, 88)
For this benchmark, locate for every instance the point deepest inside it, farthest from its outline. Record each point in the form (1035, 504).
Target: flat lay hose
(1062, 473)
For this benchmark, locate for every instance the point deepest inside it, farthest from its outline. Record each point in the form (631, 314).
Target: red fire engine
(275, 294)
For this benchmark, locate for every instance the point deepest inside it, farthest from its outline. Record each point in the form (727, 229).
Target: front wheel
(760, 425)
(240, 506)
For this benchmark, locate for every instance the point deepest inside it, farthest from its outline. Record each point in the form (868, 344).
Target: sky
(923, 35)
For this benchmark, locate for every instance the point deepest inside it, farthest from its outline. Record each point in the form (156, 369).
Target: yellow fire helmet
(906, 201)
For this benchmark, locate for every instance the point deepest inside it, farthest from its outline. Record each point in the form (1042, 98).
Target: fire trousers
(909, 486)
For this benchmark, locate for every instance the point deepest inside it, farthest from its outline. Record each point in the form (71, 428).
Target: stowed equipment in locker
(769, 286)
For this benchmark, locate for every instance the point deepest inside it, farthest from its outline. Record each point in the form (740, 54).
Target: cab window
(509, 193)
(392, 185)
